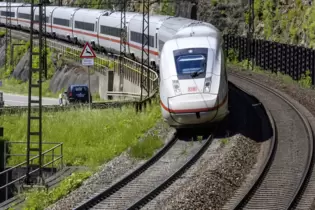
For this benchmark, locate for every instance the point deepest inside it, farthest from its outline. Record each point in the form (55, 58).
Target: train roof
(153, 18)
(129, 15)
(93, 11)
(4, 4)
(198, 30)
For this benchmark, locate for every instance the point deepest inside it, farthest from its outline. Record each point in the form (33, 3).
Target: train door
(97, 43)
(127, 38)
(71, 24)
(50, 22)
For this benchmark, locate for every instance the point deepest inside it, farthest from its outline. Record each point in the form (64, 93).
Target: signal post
(88, 56)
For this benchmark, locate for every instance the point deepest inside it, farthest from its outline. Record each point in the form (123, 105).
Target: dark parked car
(77, 94)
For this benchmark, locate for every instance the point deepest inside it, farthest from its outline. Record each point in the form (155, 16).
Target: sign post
(88, 56)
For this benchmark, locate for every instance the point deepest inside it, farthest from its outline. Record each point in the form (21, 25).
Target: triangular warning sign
(87, 51)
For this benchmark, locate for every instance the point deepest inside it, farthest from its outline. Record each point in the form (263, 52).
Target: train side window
(24, 16)
(7, 14)
(110, 31)
(137, 37)
(84, 26)
(62, 22)
(37, 18)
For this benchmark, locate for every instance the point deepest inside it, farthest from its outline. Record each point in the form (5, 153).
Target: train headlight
(176, 87)
(207, 84)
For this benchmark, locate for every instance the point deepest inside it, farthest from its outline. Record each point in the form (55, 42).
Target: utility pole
(145, 55)
(250, 34)
(44, 54)
(8, 40)
(123, 41)
(34, 119)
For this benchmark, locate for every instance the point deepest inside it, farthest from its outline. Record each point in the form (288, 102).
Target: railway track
(285, 175)
(146, 182)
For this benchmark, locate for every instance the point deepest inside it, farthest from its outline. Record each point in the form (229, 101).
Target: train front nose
(193, 108)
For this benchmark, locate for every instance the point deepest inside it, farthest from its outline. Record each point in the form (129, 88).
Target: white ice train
(188, 54)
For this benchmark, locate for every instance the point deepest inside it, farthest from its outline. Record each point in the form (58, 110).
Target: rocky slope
(286, 21)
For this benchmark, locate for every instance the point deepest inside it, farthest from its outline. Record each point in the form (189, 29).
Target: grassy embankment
(90, 138)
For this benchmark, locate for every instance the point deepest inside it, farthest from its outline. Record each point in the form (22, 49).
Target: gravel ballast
(108, 173)
(213, 179)
(304, 96)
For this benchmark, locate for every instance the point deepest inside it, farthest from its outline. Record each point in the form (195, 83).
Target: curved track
(284, 177)
(146, 182)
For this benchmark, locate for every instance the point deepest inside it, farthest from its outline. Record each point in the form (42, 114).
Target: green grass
(40, 198)
(224, 141)
(90, 137)
(19, 87)
(145, 149)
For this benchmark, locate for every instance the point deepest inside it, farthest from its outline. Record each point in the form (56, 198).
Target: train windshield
(191, 63)
(188, 64)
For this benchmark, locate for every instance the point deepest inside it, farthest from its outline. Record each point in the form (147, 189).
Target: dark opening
(198, 115)
(193, 14)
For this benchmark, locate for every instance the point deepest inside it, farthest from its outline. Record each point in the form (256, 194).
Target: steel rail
(124, 181)
(310, 156)
(155, 192)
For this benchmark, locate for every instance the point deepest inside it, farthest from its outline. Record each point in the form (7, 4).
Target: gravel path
(108, 173)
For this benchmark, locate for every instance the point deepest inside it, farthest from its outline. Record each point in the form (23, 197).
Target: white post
(89, 87)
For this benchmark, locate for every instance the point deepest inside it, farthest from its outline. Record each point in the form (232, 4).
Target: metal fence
(52, 161)
(287, 59)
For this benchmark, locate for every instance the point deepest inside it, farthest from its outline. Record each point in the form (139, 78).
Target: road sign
(87, 51)
(87, 61)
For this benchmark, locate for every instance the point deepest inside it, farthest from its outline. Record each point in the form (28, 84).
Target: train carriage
(85, 25)
(2, 18)
(193, 81)
(109, 32)
(48, 20)
(62, 22)
(11, 14)
(135, 36)
(24, 17)
(188, 53)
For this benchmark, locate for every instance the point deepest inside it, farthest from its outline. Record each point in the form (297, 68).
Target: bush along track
(89, 144)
